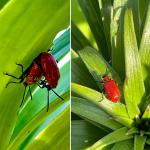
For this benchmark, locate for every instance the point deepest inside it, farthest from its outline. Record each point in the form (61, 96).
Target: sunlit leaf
(134, 85)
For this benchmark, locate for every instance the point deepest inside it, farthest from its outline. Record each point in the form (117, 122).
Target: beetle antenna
(20, 66)
(23, 95)
(47, 100)
(57, 94)
(7, 74)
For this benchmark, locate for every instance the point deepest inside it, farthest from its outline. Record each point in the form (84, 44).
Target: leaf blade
(134, 86)
(21, 41)
(139, 142)
(83, 108)
(116, 136)
(145, 50)
(61, 126)
(35, 122)
(93, 16)
(111, 108)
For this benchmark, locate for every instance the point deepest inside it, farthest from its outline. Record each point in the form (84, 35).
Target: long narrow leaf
(139, 142)
(97, 65)
(145, 51)
(134, 86)
(116, 136)
(48, 139)
(84, 134)
(24, 34)
(80, 74)
(134, 5)
(117, 39)
(92, 13)
(85, 109)
(106, 13)
(126, 144)
(78, 40)
(143, 7)
(117, 110)
(35, 122)
(77, 16)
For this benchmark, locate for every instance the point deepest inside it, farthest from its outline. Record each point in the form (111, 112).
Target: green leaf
(146, 114)
(80, 74)
(79, 19)
(145, 51)
(116, 110)
(78, 40)
(92, 13)
(116, 136)
(134, 86)
(36, 121)
(117, 39)
(54, 140)
(37, 104)
(126, 144)
(143, 6)
(106, 13)
(84, 134)
(27, 28)
(97, 65)
(148, 141)
(132, 130)
(2, 3)
(139, 142)
(85, 109)
(61, 45)
(100, 126)
(134, 5)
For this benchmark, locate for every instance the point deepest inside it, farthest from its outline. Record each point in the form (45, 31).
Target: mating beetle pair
(44, 65)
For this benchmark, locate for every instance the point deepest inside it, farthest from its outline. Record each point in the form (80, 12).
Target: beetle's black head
(106, 77)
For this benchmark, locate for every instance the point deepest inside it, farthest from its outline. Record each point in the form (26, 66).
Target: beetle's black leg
(11, 82)
(102, 95)
(23, 96)
(30, 92)
(47, 100)
(7, 74)
(20, 66)
(57, 94)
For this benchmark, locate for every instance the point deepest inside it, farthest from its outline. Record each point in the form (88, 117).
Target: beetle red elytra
(44, 65)
(49, 68)
(111, 89)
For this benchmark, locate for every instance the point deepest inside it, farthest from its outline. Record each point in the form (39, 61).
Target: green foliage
(28, 28)
(121, 32)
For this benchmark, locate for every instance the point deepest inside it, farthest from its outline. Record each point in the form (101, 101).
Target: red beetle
(111, 89)
(28, 77)
(43, 65)
(49, 68)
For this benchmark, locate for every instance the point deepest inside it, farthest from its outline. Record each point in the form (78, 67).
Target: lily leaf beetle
(111, 89)
(45, 66)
